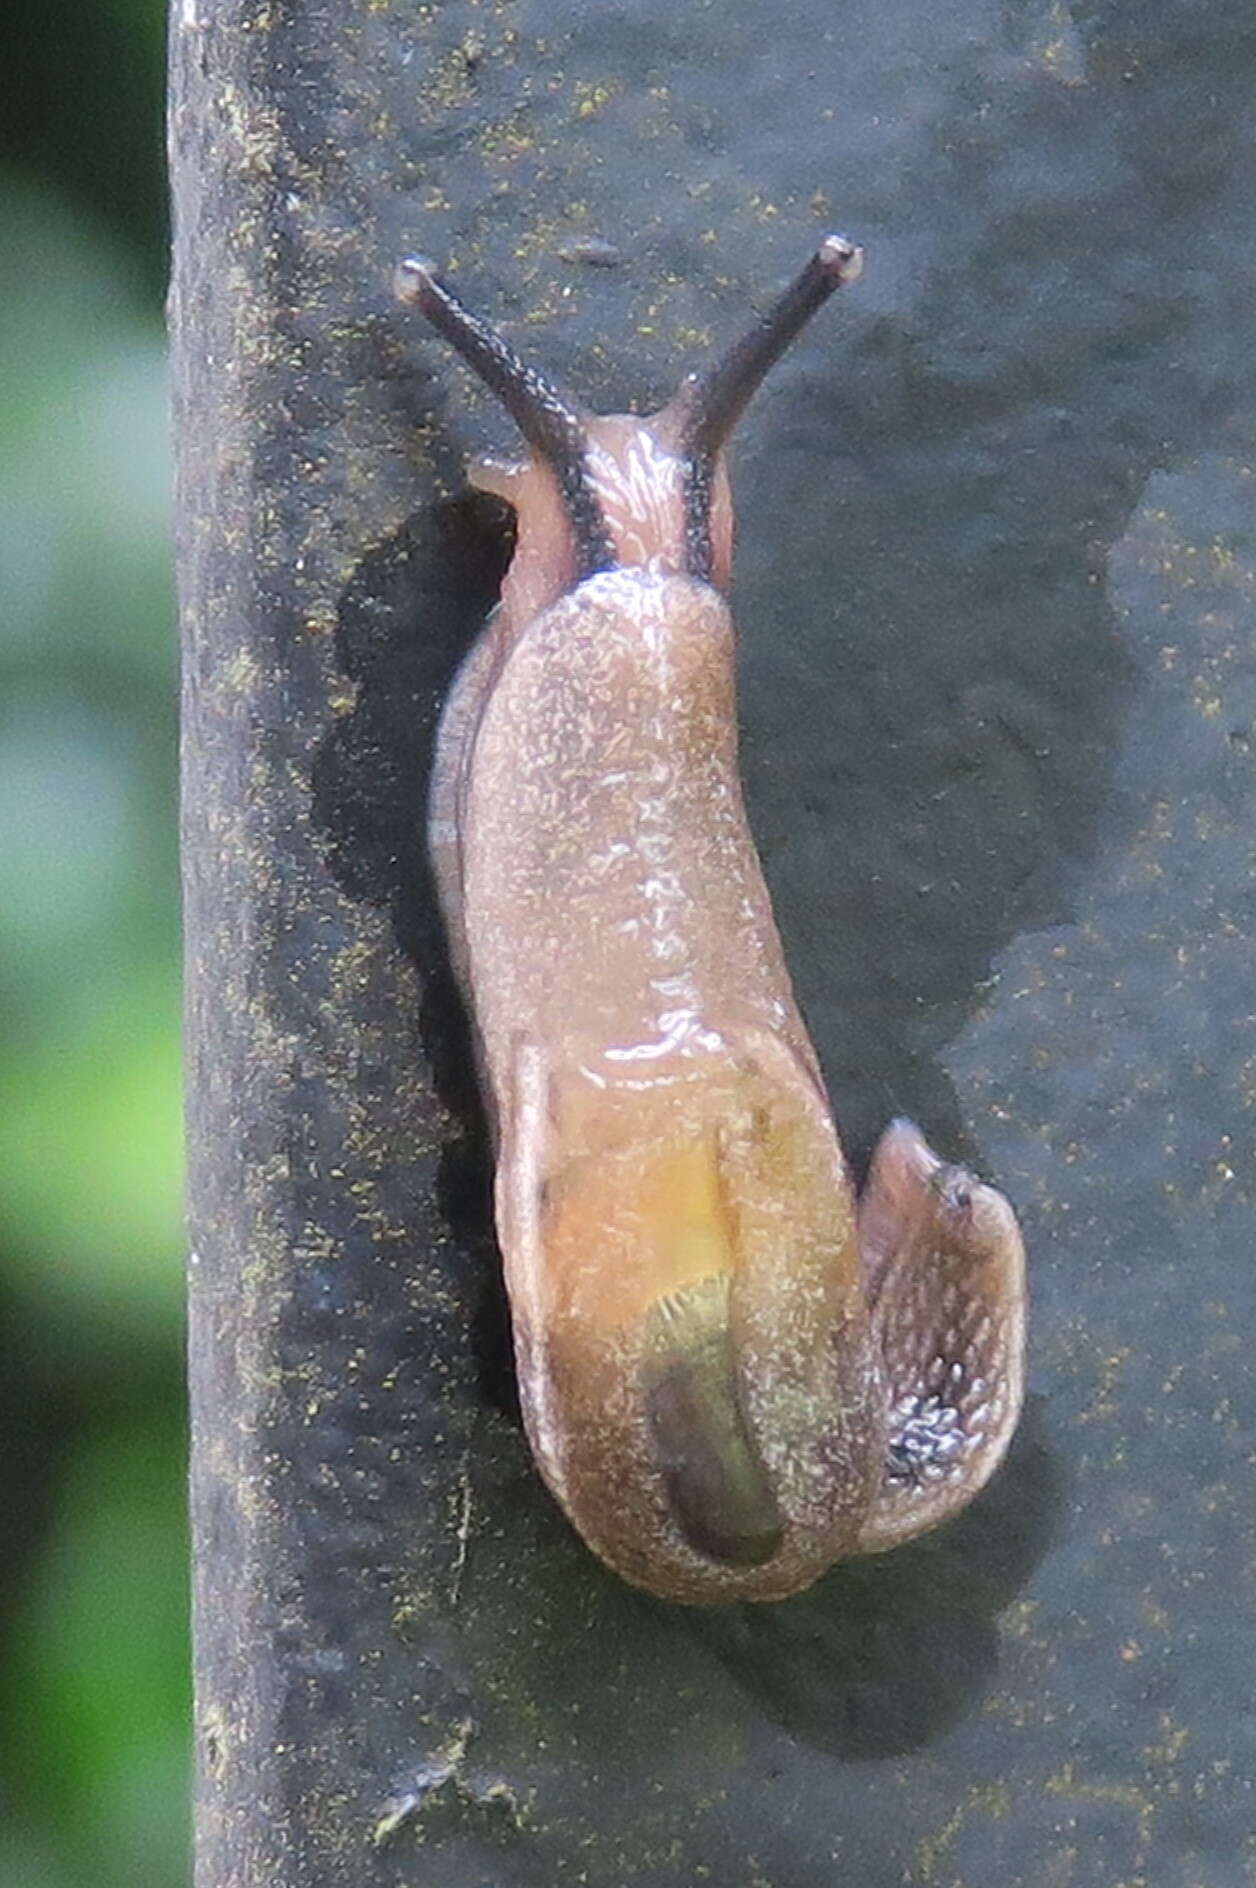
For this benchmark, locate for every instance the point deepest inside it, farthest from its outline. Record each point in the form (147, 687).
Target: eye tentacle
(713, 402)
(553, 426)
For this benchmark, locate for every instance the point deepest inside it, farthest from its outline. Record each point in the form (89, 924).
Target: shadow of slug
(406, 620)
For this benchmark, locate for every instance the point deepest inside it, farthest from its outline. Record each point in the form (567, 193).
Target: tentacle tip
(956, 1187)
(414, 279)
(903, 1138)
(841, 259)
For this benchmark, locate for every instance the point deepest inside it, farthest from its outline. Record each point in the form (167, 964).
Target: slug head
(600, 492)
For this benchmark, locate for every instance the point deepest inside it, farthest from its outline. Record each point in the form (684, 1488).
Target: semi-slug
(732, 1373)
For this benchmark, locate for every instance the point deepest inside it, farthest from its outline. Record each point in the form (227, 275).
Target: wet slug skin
(733, 1372)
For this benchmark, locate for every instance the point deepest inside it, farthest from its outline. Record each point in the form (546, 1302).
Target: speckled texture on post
(995, 595)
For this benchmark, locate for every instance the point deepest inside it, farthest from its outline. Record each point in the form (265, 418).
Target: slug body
(732, 1372)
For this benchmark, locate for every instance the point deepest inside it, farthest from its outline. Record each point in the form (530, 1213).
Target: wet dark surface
(996, 590)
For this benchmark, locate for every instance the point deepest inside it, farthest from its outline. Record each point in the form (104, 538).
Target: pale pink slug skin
(669, 1177)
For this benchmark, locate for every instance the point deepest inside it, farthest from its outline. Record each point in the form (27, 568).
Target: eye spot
(954, 1189)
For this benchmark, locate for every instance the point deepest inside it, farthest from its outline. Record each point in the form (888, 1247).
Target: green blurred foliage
(93, 1578)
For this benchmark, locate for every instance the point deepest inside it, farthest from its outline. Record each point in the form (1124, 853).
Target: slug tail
(944, 1275)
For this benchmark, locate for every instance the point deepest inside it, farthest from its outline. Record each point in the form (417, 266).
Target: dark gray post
(408, 1670)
